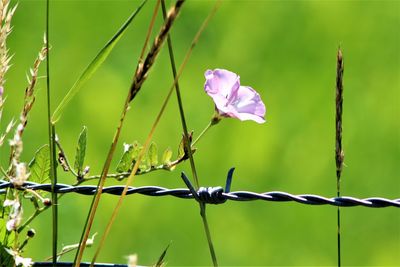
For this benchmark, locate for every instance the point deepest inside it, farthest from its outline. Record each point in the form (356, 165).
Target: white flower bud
(21, 174)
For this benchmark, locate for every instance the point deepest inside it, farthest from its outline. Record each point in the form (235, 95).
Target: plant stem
(202, 133)
(339, 154)
(37, 212)
(117, 176)
(179, 98)
(31, 218)
(208, 234)
(54, 197)
(51, 130)
(99, 190)
(188, 146)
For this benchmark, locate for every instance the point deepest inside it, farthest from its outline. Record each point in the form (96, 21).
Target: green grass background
(286, 50)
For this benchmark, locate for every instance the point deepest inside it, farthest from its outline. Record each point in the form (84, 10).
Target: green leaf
(137, 148)
(160, 262)
(181, 148)
(81, 151)
(40, 165)
(94, 65)
(6, 259)
(145, 163)
(125, 162)
(153, 155)
(167, 155)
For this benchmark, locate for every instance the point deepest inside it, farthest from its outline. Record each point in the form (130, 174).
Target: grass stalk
(339, 154)
(185, 131)
(144, 67)
(148, 141)
(100, 185)
(51, 133)
(54, 196)
(140, 76)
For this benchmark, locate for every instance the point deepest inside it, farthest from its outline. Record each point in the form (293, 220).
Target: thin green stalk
(339, 154)
(37, 212)
(30, 219)
(51, 131)
(129, 180)
(54, 196)
(179, 98)
(99, 190)
(202, 133)
(208, 233)
(185, 131)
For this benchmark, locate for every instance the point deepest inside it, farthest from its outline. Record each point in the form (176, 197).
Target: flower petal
(221, 85)
(221, 82)
(25, 262)
(248, 105)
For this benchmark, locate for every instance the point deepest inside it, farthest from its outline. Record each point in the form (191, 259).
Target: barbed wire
(83, 264)
(214, 195)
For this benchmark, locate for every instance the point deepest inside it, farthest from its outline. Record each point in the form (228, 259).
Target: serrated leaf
(136, 150)
(153, 155)
(94, 65)
(40, 165)
(81, 151)
(167, 155)
(125, 162)
(145, 163)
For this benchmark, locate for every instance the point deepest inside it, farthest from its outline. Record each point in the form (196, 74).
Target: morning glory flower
(231, 99)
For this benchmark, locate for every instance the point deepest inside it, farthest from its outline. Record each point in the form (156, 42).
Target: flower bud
(85, 170)
(31, 233)
(47, 202)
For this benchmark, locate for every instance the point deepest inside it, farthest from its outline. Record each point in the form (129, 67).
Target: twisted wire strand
(215, 195)
(83, 264)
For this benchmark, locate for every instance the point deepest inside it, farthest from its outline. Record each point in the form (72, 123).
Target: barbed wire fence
(215, 195)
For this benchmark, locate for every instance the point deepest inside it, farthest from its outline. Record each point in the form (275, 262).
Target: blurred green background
(284, 49)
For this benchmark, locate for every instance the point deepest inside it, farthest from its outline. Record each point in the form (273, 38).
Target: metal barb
(229, 180)
(190, 186)
(206, 195)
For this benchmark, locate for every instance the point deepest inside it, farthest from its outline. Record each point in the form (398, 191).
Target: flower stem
(203, 132)
(37, 212)
(31, 218)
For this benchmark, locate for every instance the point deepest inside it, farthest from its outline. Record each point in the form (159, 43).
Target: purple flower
(231, 99)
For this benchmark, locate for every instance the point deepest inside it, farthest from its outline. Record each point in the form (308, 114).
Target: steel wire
(215, 195)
